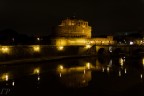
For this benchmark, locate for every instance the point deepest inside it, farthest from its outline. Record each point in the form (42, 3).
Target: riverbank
(41, 59)
(37, 53)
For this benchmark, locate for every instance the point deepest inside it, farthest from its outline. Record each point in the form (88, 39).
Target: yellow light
(36, 48)
(92, 42)
(36, 71)
(121, 61)
(143, 61)
(84, 71)
(60, 48)
(5, 50)
(88, 46)
(5, 77)
(83, 26)
(88, 65)
(61, 67)
(108, 69)
(61, 42)
(125, 71)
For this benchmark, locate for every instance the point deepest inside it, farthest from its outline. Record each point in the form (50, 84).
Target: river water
(91, 76)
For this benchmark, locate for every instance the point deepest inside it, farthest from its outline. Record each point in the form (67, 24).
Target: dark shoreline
(42, 59)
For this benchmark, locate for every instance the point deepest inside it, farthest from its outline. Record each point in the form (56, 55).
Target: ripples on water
(72, 77)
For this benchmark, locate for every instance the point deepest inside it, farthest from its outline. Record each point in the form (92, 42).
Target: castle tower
(72, 28)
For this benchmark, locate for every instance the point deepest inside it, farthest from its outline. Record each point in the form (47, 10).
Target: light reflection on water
(78, 76)
(112, 75)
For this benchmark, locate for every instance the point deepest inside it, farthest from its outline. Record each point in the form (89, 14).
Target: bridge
(115, 49)
(16, 52)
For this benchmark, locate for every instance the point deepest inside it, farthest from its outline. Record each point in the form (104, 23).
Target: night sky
(35, 17)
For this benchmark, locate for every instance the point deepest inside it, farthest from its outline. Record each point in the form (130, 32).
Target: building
(73, 29)
(77, 32)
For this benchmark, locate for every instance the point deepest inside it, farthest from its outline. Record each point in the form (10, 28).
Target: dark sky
(38, 17)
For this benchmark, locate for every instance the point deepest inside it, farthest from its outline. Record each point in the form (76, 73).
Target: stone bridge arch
(102, 50)
(117, 50)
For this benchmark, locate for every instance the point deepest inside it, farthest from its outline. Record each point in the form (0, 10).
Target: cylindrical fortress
(73, 28)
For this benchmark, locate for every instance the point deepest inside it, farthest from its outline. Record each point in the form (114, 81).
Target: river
(88, 76)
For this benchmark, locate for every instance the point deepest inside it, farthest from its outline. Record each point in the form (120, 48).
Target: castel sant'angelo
(77, 32)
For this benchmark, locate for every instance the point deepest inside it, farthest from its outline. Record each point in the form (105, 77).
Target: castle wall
(73, 28)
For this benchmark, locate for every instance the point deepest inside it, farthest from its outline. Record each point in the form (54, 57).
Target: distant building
(74, 29)
(77, 32)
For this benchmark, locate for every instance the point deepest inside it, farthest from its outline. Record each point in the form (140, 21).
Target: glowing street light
(61, 67)
(36, 48)
(5, 77)
(131, 42)
(88, 46)
(38, 39)
(36, 71)
(60, 48)
(5, 50)
(88, 65)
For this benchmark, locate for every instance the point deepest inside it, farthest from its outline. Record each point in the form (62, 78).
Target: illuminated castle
(77, 32)
(74, 28)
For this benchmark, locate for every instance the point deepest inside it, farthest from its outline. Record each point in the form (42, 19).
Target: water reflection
(38, 78)
(122, 61)
(141, 76)
(13, 83)
(108, 69)
(143, 61)
(119, 73)
(114, 74)
(125, 70)
(110, 63)
(102, 69)
(101, 60)
(77, 76)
